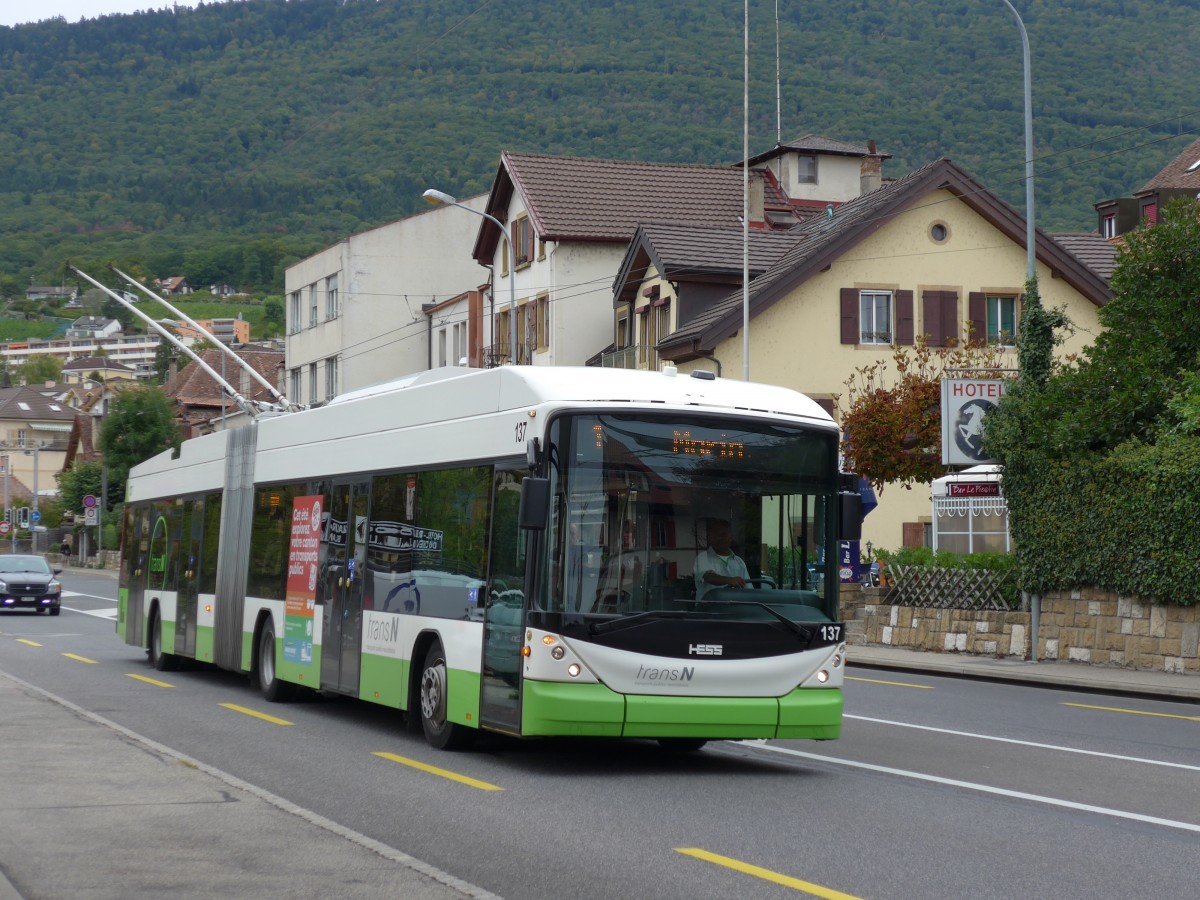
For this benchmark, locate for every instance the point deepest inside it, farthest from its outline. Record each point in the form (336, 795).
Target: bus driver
(718, 566)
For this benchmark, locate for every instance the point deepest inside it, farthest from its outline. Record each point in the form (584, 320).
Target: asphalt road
(939, 788)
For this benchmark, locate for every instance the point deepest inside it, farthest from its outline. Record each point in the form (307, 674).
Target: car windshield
(23, 564)
(646, 508)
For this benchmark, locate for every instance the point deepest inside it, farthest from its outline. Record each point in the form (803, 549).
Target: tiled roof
(815, 143)
(820, 241)
(86, 363)
(192, 386)
(1092, 250)
(571, 198)
(25, 403)
(1182, 172)
(681, 249)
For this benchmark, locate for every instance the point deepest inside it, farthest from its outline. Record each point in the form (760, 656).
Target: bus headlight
(822, 676)
(574, 669)
(558, 652)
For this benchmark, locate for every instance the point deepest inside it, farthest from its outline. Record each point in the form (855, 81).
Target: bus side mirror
(535, 503)
(850, 527)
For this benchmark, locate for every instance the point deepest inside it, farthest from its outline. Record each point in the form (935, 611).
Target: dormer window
(806, 169)
(1108, 226)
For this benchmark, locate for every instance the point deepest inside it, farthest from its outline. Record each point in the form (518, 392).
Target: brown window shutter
(951, 327)
(931, 315)
(850, 331)
(977, 313)
(904, 317)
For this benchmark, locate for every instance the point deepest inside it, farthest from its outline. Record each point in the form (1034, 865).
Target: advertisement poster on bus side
(303, 553)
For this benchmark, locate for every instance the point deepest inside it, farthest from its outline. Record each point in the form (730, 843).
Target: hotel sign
(965, 403)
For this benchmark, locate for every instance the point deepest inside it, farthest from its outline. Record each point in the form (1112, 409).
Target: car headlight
(4, 586)
(54, 587)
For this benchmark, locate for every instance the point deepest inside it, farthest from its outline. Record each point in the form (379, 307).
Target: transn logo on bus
(706, 649)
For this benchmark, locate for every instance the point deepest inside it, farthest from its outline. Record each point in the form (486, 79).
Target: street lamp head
(438, 198)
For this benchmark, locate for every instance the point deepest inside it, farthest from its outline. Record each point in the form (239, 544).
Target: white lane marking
(1003, 740)
(110, 614)
(94, 596)
(987, 789)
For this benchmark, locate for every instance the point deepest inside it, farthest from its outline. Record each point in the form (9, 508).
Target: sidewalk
(91, 810)
(1074, 676)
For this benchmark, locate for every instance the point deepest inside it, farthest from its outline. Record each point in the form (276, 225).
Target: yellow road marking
(1134, 712)
(30, 643)
(441, 773)
(924, 687)
(150, 680)
(80, 658)
(257, 714)
(808, 887)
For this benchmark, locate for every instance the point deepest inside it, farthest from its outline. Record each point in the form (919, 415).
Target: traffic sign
(89, 501)
(91, 516)
(5, 528)
(35, 516)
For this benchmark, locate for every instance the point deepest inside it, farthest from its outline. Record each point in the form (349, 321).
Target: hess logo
(705, 649)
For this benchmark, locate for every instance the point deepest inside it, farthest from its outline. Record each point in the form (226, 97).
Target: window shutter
(977, 314)
(850, 331)
(931, 315)
(904, 317)
(951, 327)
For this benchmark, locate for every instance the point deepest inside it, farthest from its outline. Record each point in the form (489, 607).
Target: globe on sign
(968, 430)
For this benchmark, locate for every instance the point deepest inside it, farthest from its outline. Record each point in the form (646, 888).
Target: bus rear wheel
(439, 731)
(273, 690)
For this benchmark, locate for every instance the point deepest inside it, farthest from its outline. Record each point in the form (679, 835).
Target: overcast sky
(14, 12)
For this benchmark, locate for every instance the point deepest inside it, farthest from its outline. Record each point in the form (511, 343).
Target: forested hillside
(172, 138)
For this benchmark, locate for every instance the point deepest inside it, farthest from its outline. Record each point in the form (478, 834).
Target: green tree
(140, 423)
(41, 368)
(83, 479)
(1084, 453)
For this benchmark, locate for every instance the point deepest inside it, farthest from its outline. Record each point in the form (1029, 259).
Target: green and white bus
(509, 549)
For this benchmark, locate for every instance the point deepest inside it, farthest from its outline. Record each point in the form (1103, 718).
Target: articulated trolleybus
(512, 549)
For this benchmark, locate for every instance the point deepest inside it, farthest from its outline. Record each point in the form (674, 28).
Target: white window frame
(331, 377)
(806, 168)
(312, 382)
(993, 309)
(868, 331)
(312, 304)
(331, 297)
(294, 310)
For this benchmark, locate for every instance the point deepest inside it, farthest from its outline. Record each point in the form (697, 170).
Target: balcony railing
(500, 354)
(625, 358)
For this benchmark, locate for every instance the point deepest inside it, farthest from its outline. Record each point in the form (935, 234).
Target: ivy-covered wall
(1128, 521)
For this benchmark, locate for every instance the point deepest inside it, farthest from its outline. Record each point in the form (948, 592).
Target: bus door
(187, 604)
(345, 572)
(138, 548)
(504, 613)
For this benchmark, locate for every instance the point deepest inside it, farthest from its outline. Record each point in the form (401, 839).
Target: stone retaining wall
(1090, 626)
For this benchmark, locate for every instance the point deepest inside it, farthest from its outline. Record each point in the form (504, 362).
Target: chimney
(757, 200)
(871, 171)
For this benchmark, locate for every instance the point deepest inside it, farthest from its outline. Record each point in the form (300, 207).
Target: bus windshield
(690, 515)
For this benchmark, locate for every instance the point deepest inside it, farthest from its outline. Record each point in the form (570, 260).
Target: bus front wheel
(439, 731)
(163, 662)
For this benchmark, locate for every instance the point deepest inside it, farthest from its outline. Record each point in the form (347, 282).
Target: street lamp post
(439, 198)
(1030, 251)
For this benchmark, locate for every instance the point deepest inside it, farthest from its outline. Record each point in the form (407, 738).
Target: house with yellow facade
(933, 253)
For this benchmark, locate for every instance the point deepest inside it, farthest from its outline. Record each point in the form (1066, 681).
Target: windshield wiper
(626, 621)
(800, 630)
